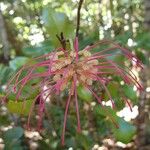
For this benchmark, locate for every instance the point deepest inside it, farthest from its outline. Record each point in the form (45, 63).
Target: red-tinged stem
(119, 71)
(97, 57)
(18, 75)
(50, 63)
(122, 73)
(131, 79)
(32, 106)
(35, 66)
(44, 82)
(99, 101)
(37, 75)
(28, 78)
(23, 84)
(96, 44)
(27, 65)
(111, 118)
(30, 112)
(11, 80)
(40, 112)
(130, 55)
(103, 67)
(61, 81)
(76, 103)
(124, 76)
(104, 56)
(65, 116)
(107, 91)
(76, 47)
(95, 95)
(125, 50)
(105, 50)
(128, 103)
(105, 73)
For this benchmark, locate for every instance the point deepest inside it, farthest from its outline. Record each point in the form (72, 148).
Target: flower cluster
(67, 69)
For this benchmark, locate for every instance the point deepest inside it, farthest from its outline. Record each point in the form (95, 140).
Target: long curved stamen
(61, 71)
(106, 89)
(76, 103)
(99, 101)
(33, 103)
(125, 50)
(65, 116)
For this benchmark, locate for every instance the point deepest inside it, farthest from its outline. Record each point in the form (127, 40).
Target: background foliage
(29, 28)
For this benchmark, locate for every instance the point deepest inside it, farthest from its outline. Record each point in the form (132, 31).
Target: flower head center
(67, 67)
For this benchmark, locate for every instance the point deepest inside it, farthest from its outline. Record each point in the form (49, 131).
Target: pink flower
(67, 69)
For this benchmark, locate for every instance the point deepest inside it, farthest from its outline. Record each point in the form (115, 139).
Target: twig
(62, 40)
(61, 37)
(78, 17)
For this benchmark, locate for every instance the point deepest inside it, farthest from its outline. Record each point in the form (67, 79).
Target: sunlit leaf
(57, 22)
(21, 108)
(106, 111)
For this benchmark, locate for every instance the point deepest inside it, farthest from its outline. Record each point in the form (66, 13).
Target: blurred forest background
(28, 28)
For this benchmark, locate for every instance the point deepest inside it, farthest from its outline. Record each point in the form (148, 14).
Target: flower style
(66, 70)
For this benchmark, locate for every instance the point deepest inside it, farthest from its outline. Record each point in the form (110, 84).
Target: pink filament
(76, 103)
(65, 116)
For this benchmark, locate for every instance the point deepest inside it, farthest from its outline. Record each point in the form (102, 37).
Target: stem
(78, 17)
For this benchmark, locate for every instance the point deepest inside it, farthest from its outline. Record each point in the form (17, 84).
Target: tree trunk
(143, 120)
(4, 37)
(147, 14)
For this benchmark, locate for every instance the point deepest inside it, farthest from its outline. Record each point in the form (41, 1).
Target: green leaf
(86, 141)
(119, 103)
(142, 40)
(4, 120)
(125, 132)
(84, 93)
(12, 138)
(13, 134)
(142, 57)
(130, 93)
(40, 49)
(113, 89)
(55, 23)
(18, 62)
(5, 73)
(123, 38)
(106, 111)
(43, 145)
(21, 108)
